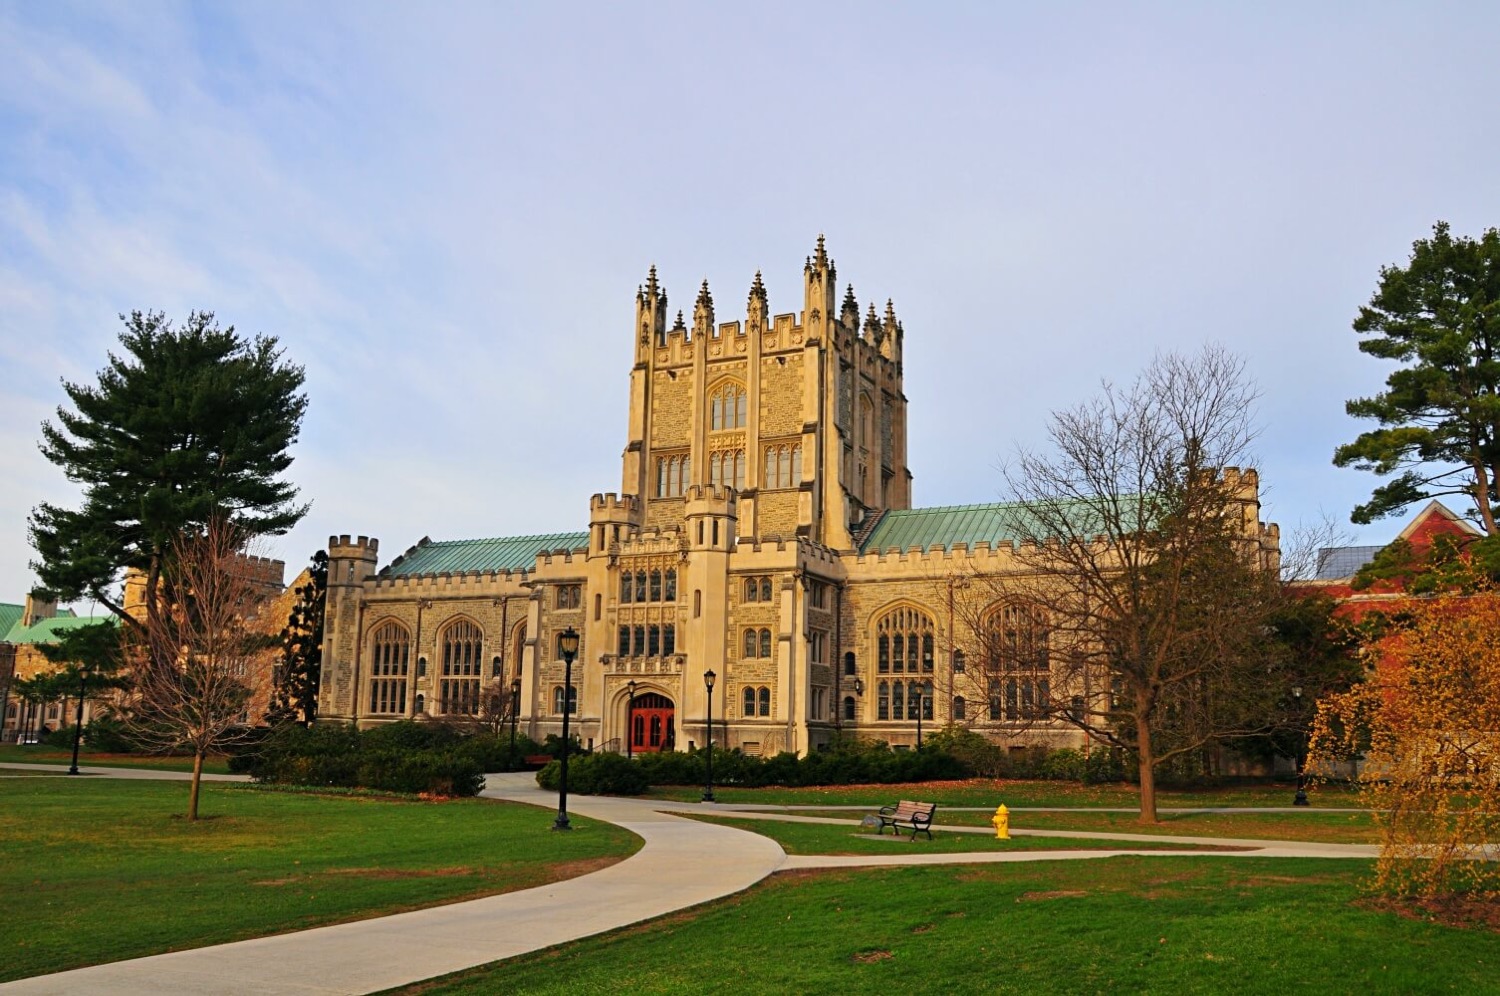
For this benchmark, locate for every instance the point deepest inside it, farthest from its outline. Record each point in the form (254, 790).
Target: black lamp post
(567, 642)
(515, 714)
(922, 690)
(83, 681)
(1300, 799)
(708, 784)
(630, 721)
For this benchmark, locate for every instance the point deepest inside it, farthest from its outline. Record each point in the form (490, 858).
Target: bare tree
(1139, 607)
(201, 658)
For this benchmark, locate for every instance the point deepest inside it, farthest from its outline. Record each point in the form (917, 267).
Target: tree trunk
(1147, 767)
(197, 782)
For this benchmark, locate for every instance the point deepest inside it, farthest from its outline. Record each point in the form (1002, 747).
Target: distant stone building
(24, 629)
(763, 530)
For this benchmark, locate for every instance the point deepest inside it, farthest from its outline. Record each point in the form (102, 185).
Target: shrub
(596, 774)
(60, 737)
(108, 736)
(427, 772)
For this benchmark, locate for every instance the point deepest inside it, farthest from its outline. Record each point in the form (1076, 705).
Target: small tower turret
(873, 331)
(849, 313)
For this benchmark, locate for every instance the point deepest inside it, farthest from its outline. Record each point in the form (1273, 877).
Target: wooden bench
(916, 815)
(537, 760)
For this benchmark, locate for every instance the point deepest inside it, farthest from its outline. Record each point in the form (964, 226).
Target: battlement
(611, 502)
(709, 493)
(362, 547)
(262, 571)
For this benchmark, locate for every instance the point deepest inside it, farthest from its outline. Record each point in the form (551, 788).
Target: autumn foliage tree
(1426, 728)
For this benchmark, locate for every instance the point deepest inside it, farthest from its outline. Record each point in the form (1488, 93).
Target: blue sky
(443, 212)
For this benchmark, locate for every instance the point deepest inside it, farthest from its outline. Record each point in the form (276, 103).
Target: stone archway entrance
(653, 723)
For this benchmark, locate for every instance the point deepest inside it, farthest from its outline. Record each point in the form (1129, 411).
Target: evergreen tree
(190, 423)
(294, 697)
(1439, 416)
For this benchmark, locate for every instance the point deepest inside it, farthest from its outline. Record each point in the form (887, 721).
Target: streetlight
(922, 691)
(630, 721)
(567, 643)
(708, 784)
(83, 680)
(515, 713)
(1300, 799)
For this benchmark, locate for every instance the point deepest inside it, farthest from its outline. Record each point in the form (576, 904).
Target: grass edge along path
(103, 869)
(43, 754)
(806, 837)
(1129, 924)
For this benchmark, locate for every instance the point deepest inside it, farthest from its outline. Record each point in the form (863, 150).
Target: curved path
(684, 862)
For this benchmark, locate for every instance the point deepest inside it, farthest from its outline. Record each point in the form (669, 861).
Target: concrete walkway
(684, 863)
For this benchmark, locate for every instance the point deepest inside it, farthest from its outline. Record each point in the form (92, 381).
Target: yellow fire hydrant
(1001, 819)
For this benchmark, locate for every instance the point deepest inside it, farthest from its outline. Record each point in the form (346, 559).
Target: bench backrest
(906, 809)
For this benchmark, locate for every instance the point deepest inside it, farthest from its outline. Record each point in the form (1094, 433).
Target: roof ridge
(502, 539)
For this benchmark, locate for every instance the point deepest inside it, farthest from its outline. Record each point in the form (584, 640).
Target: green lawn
(96, 870)
(1115, 925)
(827, 838)
(42, 754)
(990, 793)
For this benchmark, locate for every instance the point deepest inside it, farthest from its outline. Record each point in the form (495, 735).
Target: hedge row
(424, 758)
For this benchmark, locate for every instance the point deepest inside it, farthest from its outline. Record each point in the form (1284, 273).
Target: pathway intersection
(683, 863)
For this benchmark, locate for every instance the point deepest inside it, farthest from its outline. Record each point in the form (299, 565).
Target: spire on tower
(651, 279)
(890, 315)
(757, 291)
(820, 256)
(849, 313)
(873, 329)
(703, 313)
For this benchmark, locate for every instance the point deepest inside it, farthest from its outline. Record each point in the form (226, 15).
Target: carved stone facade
(761, 456)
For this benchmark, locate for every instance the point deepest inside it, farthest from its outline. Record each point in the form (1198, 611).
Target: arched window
(640, 586)
(557, 699)
(783, 465)
(669, 586)
(1019, 638)
(458, 688)
(765, 701)
(752, 645)
(958, 662)
(752, 590)
(849, 707)
(765, 643)
(765, 589)
(655, 586)
(898, 701)
(728, 406)
(653, 640)
(958, 707)
(883, 701)
(390, 660)
(668, 640)
(672, 475)
(640, 640)
(627, 587)
(624, 647)
(726, 468)
(904, 641)
(697, 601)
(849, 663)
(749, 709)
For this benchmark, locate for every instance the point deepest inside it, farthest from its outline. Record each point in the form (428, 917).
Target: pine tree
(294, 698)
(190, 424)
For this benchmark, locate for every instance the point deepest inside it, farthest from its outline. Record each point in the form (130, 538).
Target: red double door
(652, 723)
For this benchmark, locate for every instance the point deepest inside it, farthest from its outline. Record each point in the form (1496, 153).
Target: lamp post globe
(708, 783)
(567, 645)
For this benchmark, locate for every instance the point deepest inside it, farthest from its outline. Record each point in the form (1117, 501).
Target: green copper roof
(10, 614)
(47, 630)
(902, 529)
(504, 553)
(947, 526)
